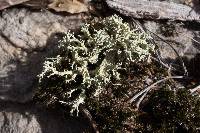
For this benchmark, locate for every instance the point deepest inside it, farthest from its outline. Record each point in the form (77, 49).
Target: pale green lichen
(92, 59)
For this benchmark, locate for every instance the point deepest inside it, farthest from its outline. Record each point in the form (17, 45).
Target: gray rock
(27, 118)
(27, 37)
(8, 3)
(153, 10)
(183, 37)
(180, 37)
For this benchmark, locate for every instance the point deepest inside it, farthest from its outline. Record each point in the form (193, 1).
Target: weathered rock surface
(27, 118)
(183, 37)
(24, 35)
(27, 37)
(155, 10)
(8, 3)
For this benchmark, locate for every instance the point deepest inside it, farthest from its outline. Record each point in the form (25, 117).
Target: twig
(194, 89)
(145, 91)
(193, 39)
(162, 63)
(138, 24)
(89, 117)
(182, 62)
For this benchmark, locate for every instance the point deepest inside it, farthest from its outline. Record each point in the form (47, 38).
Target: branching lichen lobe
(91, 59)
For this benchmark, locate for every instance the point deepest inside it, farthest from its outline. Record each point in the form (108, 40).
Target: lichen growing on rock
(91, 59)
(105, 64)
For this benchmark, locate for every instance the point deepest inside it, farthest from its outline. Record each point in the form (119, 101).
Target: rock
(37, 4)
(155, 10)
(27, 37)
(179, 36)
(27, 118)
(183, 37)
(8, 3)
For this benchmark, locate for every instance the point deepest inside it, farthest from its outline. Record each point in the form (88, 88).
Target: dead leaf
(8, 3)
(71, 6)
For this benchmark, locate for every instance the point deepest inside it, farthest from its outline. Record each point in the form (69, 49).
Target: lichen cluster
(105, 64)
(91, 59)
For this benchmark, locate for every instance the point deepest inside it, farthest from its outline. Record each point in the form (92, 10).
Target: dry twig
(146, 90)
(182, 62)
(195, 89)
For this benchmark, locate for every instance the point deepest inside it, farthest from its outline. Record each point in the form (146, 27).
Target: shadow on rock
(20, 82)
(195, 5)
(28, 118)
(193, 66)
(17, 113)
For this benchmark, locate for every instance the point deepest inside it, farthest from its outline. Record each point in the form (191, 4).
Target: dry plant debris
(70, 6)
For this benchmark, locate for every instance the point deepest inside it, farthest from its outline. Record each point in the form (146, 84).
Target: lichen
(105, 64)
(91, 59)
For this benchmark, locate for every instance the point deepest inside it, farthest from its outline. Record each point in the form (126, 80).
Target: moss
(111, 110)
(101, 67)
(171, 111)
